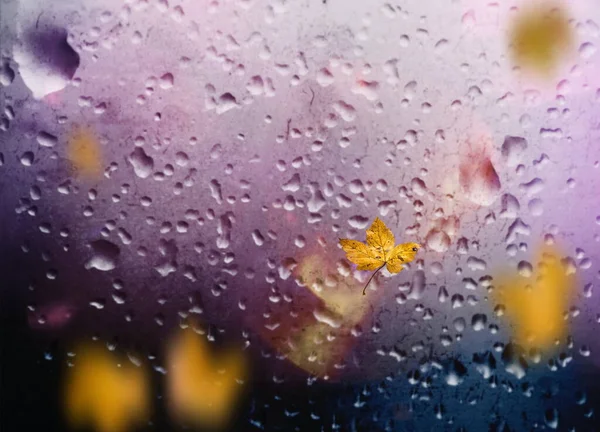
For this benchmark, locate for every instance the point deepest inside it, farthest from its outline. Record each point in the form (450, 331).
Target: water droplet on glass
(468, 20)
(255, 85)
(514, 362)
(324, 77)
(7, 75)
(142, 163)
(358, 222)
(513, 149)
(478, 322)
(46, 60)
(587, 50)
(46, 140)
(459, 324)
(532, 187)
(535, 207)
(368, 89)
(551, 418)
(346, 111)
(27, 158)
(166, 81)
(455, 373)
(485, 363)
(437, 240)
(226, 103)
(476, 264)
(104, 255)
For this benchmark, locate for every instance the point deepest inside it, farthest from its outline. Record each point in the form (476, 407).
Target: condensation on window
(176, 176)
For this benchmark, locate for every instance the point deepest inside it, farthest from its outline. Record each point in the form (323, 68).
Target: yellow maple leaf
(84, 153)
(539, 36)
(105, 392)
(379, 250)
(202, 388)
(535, 304)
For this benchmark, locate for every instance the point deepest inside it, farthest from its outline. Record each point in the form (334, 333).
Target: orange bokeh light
(106, 392)
(203, 387)
(536, 304)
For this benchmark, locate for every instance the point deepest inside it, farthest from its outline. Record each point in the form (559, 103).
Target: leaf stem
(369, 281)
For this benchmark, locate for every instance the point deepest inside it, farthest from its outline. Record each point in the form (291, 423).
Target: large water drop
(104, 256)
(46, 60)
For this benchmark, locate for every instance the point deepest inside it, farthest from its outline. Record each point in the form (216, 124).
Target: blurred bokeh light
(105, 392)
(541, 36)
(203, 385)
(536, 300)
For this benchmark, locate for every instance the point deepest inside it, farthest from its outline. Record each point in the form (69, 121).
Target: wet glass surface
(175, 177)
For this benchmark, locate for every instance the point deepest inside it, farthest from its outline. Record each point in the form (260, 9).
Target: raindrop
(485, 363)
(476, 264)
(258, 238)
(136, 38)
(468, 19)
(7, 75)
(459, 324)
(525, 268)
(418, 186)
(368, 89)
(358, 222)
(462, 246)
(327, 317)
(518, 227)
(551, 418)
(551, 133)
(525, 121)
(533, 187)
(119, 298)
(410, 90)
(293, 184)
(166, 81)
(181, 159)
(454, 373)
(563, 87)
(442, 294)
(27, 158)
(346, 111)
(255, 85)
(513, 149)
(514, 362)
(587, 50)
(478, 322)
(439, 411)
(46, 140)
(104, 256)
(324, 77)
(441, 46)
(417, 285)
(142, 163)
(46, 60)
(226, 103)
(535, 207)
(437, 240)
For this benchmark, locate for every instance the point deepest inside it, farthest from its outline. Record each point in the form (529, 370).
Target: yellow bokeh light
(535, 305)
(84, 153)
(105, 392)
(344, 299)
(319, 340)
(203, 388)
(540, 36)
